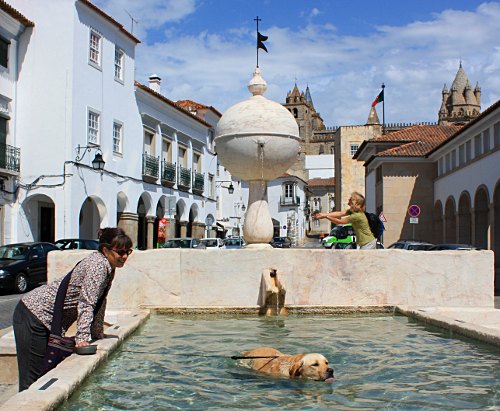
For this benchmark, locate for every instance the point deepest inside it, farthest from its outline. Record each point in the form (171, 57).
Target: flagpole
(257, 37)
(383, 110)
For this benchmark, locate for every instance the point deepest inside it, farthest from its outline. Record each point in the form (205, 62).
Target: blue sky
(204, 50)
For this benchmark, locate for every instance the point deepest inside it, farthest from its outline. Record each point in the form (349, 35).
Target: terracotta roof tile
(416, 141)
(321, 182)
(187, 104)
(12, 12)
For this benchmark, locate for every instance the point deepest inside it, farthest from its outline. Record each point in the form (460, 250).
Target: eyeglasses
(122, 253)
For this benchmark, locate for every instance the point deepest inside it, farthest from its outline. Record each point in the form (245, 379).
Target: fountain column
(257, 140)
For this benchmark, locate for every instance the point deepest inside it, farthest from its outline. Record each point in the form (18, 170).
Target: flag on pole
(379, 99)
(260, 41)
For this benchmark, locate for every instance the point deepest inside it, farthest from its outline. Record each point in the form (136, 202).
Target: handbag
(59, 347)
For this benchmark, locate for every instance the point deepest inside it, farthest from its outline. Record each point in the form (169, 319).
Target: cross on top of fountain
(257, 140)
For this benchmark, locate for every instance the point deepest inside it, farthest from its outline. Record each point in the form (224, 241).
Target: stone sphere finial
(257, 85)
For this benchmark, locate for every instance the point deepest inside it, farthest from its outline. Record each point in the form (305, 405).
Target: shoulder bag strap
(56, 326)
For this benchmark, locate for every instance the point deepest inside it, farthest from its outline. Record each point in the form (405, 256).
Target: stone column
(128, 222)
(183, 225)
(473, 225)
(258, 227)
(150, 221)
(198, 229)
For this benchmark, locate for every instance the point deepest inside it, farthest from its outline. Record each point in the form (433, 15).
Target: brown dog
(271, 361)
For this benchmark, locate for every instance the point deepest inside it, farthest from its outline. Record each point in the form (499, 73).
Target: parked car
(212, 242)
(77, 244)
(24, 265)
(281, 242)
(234, 242)
(341, 236)
(439, 247)
(186, 242)
(411, 245)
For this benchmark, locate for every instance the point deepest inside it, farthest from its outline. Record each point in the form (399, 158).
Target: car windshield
(210, 243)
(233, 241)
(15, 252)
(177, 244)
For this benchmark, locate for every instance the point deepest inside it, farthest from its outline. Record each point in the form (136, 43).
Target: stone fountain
(257, 140)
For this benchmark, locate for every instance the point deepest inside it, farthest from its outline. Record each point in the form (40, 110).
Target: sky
(205, 50)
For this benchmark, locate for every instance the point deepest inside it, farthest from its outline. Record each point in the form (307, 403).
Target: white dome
(257, 139)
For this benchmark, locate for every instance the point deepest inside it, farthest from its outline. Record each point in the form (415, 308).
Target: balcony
(184, 178)
(198, 183)
(289, 201)
(10, 159)
(150, 168)
(168, 173)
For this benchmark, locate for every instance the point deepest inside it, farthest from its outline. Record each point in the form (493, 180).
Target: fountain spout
(272, 293)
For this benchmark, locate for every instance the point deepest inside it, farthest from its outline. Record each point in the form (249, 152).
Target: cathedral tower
(461, 103)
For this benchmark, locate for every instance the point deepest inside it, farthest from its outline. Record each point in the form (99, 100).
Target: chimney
(155, 83)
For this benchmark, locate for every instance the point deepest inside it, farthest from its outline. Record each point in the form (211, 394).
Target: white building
(75, 100)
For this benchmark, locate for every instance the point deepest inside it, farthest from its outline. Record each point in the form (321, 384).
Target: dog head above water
(312, 366)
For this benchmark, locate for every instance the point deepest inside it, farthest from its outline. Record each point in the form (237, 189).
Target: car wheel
(21, 283)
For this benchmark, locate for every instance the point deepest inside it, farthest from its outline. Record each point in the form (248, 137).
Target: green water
(380, 362)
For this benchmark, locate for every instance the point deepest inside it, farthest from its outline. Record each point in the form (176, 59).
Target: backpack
(376, 226)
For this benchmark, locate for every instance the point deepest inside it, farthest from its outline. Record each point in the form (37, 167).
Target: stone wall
(232, 278)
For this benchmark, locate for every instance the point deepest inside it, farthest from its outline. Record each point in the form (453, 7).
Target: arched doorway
(437, 227)
(464, 219)
(39, 211)
(450, 222)
(92, 213)
(160, 213)
(496, 236)
(481, 218)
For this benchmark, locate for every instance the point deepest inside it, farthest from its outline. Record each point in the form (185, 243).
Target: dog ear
(296, 367)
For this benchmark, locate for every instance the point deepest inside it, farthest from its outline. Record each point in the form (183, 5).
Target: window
(117, 137)
(461, 154)
(148, 142)
(453, 159)
(211, 136)
(95, 48)
(468, 150)
(4, 52)
(93, 127)
(477, 146)
(119, 59)
(486, 140)
(182, 156)
(210, 188)
(288, 190)
(354, 148)
(378, 174)
(166, 150)
(440, 166)
(448, 162)
(197, 162)
(496, 134)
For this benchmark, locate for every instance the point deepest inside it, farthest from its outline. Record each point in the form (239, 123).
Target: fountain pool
(381, 362)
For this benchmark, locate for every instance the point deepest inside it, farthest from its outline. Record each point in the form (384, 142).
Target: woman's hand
(82, 344)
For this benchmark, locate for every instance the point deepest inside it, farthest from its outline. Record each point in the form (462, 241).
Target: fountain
(257, 140)
(272, 293)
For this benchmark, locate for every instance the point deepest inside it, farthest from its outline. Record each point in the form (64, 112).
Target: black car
(411, 245)
(24, 265)
(441, 247)
(77, 244)
(281, 242)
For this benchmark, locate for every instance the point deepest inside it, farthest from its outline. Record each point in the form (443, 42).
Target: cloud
(344, 72)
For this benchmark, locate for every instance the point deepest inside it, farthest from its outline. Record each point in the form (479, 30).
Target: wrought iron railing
(10, 158)
(289, 201)
(168, 172)
(184, 177)
(198, 182)
(150, 166)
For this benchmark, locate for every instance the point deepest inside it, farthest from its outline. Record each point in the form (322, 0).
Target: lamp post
(230, 188)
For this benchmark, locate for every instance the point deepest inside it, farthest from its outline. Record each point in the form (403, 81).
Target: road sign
(414, 210)
(382, 218)
(209, 221)
(413, 220)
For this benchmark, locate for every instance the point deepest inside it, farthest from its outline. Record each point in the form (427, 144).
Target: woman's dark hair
(113, 237)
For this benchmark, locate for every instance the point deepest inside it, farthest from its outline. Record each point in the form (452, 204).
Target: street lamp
(98, 162)
(230, 188)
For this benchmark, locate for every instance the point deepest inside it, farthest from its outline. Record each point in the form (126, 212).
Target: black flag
(260, 41)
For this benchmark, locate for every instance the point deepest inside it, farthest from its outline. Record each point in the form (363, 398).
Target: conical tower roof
(373, 118)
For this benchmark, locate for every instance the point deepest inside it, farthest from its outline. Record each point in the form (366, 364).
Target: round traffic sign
(209, 220)
(414, 210)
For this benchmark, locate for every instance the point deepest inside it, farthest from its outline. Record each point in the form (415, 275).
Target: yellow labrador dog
(271, 361)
